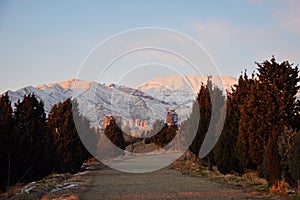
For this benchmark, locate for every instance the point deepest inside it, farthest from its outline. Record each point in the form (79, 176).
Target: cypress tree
(112, 143)
(169, 134)
(270, 108)
(279, 81)
(115, 134)
(7, 143)
(206, 119)
(294, 158)
(273, 161)
(245, 89)
(70, 152)
(189, 127)
(33, 142)
(158, 133)
(225, 151)
(204, 105)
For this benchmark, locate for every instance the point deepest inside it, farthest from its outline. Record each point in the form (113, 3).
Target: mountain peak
(183, 82)
(67, 84)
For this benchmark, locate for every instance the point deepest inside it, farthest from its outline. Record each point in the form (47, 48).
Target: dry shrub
(281, 187)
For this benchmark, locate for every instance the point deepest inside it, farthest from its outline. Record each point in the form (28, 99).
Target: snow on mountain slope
(130, 104)
(148, 102)
(50, 94)
(181, 89)
(187, 81)
(97, 100)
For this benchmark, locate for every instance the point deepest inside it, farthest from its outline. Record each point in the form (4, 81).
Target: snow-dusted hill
(148, 102)
(97, 100)
(182, 88)
(187, 81)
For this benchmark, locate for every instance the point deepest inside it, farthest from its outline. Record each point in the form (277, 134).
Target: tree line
(261, 129)
(33, 145)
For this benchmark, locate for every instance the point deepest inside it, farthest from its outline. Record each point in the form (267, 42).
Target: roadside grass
(192, 166)
(54, 186)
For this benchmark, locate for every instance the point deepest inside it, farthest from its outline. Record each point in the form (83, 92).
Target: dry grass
(189, 164)
(55, 186)
(63, 197)
(281, 187)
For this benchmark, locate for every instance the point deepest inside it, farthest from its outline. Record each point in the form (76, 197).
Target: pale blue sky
(46, 41)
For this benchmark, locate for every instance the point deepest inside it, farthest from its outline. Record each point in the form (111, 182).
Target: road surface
(162, 184)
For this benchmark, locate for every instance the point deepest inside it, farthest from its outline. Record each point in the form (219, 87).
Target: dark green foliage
(269, 108)
(157, 128)
(253, 131)
(115, 134)
(244, 90)
(225, 149)
(170, 134)
(88, 135)
(273, 161)
(294, 158)
(162, 134)
(30, 143)
(112, 143)
(34, 142)
(7, 140)
(209, 98)
(279, 83)
(70, 152)
(261, 116)
(189, 127)
(26, 145)
(204, 104)
(187, 130)
(30, 148)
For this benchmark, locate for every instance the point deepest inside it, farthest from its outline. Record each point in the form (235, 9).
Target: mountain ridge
(149, 101)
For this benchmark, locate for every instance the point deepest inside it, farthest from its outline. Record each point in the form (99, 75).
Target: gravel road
(162, 184)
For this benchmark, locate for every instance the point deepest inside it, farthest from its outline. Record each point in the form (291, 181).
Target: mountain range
(148, 101)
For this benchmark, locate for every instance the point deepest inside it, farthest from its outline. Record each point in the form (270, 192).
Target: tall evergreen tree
(112, 143)
(115, 134)
(7, 143)
(189, 127)
(158, 133)
(169, 134)
(270, 108)
(88, 136)
(70, 152)
(294, 158)
(209, 97)
(279, 81)
(34, 144)
(243, 91)
(272, 160)
(204, 104)
(225, 149)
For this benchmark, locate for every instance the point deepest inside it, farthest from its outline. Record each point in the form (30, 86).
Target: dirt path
(162, 184)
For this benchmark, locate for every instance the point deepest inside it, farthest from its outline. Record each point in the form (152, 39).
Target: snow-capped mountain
(97, 100)
(182, 89)
(148, 102)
